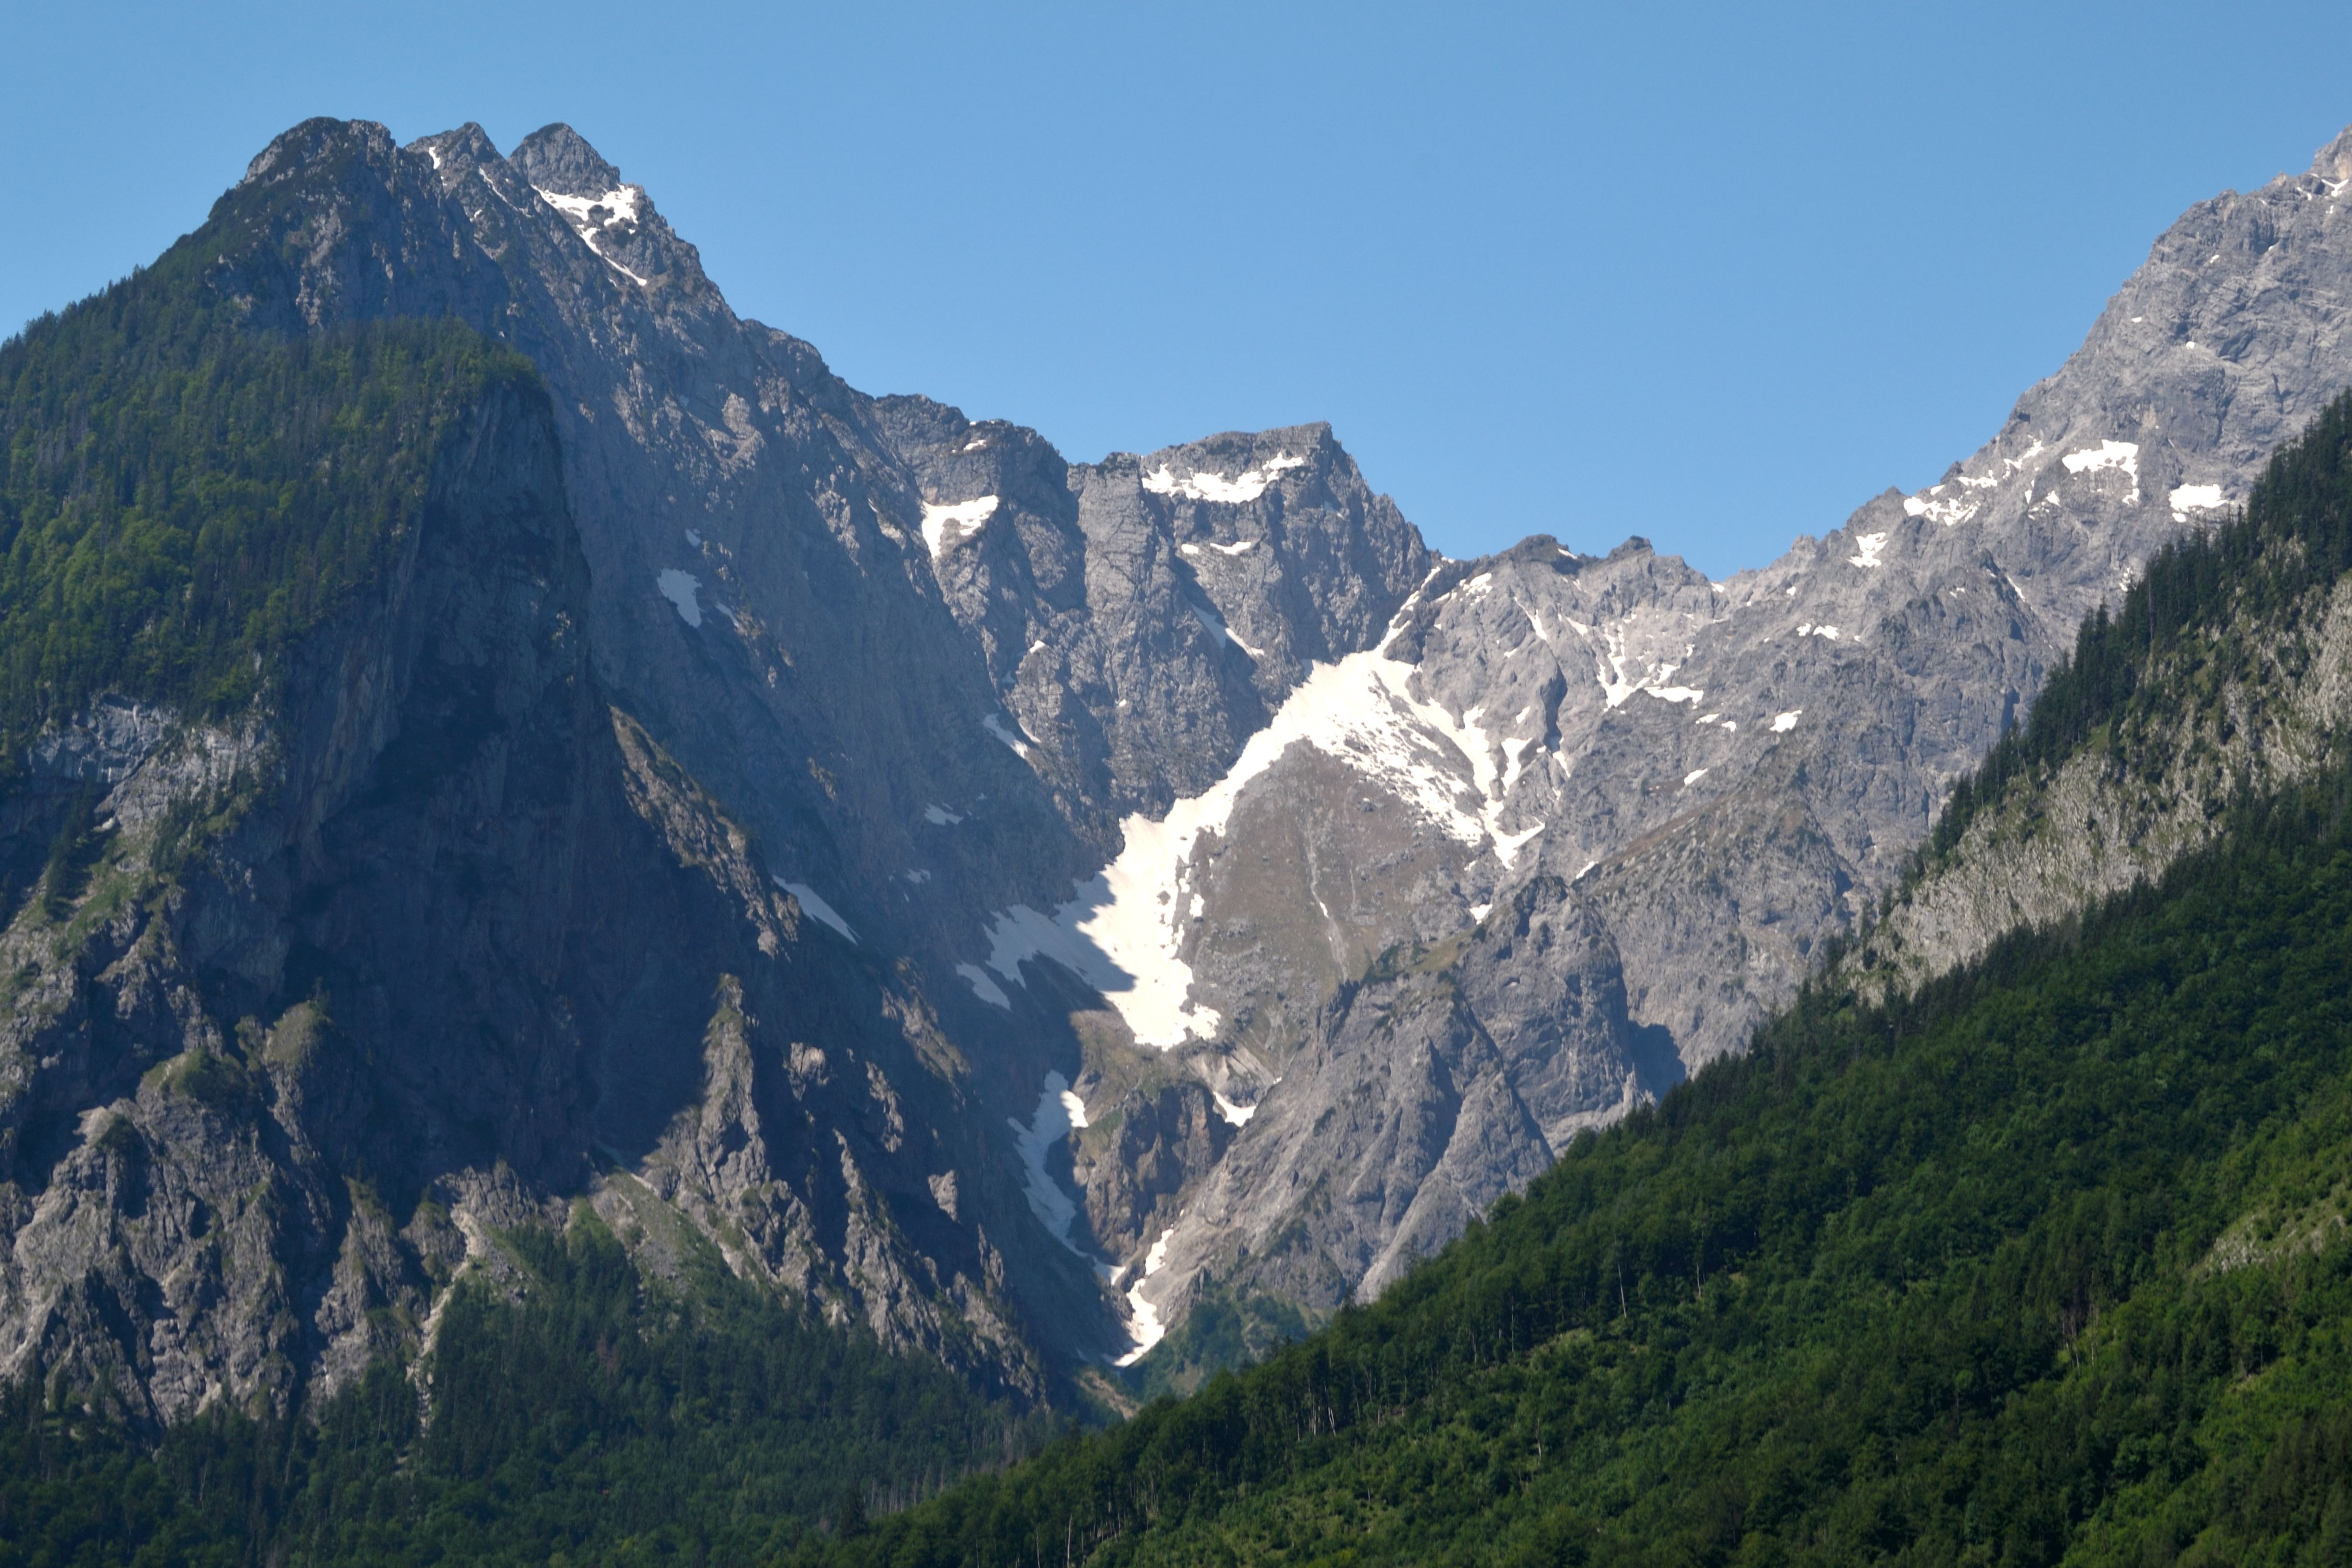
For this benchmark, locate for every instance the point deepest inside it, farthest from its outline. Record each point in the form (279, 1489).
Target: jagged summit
(558, 159)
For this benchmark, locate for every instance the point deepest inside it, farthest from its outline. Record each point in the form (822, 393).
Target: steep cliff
(393, 932)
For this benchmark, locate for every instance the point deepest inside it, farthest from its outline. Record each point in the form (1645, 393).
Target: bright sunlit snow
(1148, 1329)
(1126, 931)
(1247, 485)
(2194, 498)
(946, 525)
(622, 206)
(2124, 455)
(1868, 546)
(1784, 722)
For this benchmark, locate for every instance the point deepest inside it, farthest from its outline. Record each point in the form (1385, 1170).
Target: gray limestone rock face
(900, 765)
(1446, 1076)
(1722, 774)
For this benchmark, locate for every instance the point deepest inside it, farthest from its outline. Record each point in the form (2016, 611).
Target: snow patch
(2124, 455)
(816, 906)
(1243, 547)
(1149, 1330)
(679, 588)
(1125, 931)
(1238, 1115)
(1869, 545)
(1508, 845)
(1924, 504)
(948, 524)
(1247, 485)
(620, 206)
(1215, 625)
(1784, 722)
(1049, 1125)
(1617, 687)
(1693, 777)
(984, 988)
(995, 726)
(2187, 499)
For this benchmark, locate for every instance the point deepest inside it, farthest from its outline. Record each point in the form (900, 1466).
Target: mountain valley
(523, 785)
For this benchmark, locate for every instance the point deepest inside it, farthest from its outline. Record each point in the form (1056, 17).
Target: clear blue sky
(1710, 273)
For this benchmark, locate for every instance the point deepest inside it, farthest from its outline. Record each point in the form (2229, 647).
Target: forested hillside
(183, 497)
(577, 1412)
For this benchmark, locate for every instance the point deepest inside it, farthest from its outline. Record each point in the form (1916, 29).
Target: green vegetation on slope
(2295, 535)
(1933, 1283)
(603, 1417)
(180, 498)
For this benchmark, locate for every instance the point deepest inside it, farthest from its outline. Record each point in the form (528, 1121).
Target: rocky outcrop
(2106, 820)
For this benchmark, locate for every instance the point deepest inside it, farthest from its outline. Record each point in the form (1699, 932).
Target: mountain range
(1013, 907)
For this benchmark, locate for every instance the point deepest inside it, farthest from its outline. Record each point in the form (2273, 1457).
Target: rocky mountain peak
(2333, 162)
(317, 142)
(558, 159)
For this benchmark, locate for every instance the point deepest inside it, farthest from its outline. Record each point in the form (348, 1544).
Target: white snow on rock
(1693, 777)
(995, 726)
(1948, 512)
(2124, 455)
(620, 206)
(1247, 485)
(1126, 932)
(1508, 845)
(1215, 625)
(1868, 546)
(1148, 1330)
(679, 588)
(816, 906)
(2194, 498)
(1784, 722)
(949, 525)
(1810, 630)
(1617, 687)
(1051, 1123)
(984, 988)
(1247, 545)
(1238, 1115)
